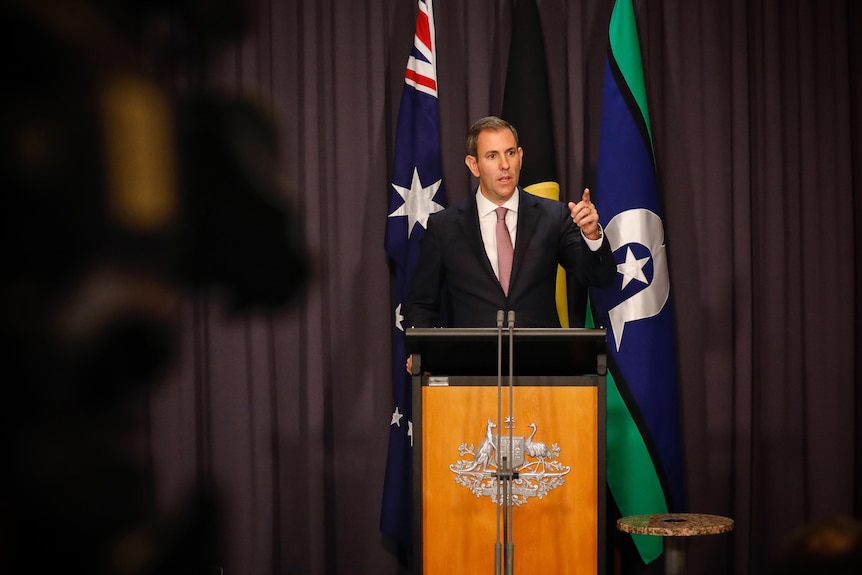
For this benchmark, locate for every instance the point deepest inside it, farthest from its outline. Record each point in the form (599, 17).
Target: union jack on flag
(416, 192)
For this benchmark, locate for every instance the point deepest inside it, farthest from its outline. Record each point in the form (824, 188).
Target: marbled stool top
(675, 524)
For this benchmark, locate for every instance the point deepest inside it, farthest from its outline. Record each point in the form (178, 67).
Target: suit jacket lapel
(528, 218)
(468, 220)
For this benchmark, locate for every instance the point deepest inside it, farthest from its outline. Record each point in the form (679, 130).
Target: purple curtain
(757, 119)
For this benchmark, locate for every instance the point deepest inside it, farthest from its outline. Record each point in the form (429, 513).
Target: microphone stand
(511, 474)
(498, 546)
(505, 473)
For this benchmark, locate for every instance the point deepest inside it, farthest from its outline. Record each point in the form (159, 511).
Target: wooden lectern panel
(555, 530)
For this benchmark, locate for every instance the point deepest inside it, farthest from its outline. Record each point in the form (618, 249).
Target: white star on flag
(632, 269)
(418, 202)
(396, 418)
(399, 318)
(410, 431)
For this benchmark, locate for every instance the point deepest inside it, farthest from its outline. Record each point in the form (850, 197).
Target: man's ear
(472, 164)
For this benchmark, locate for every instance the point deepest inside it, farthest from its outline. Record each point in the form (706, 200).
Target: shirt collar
(486, 206)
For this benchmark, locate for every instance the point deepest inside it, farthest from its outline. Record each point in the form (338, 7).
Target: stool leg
(674, 555)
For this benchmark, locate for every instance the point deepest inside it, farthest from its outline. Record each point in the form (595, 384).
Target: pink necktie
(504, 250)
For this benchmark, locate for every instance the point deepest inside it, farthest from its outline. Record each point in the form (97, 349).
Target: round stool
(673, 527)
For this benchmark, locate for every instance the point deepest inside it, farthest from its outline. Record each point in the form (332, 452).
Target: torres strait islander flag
(644, 451)
(415, 193)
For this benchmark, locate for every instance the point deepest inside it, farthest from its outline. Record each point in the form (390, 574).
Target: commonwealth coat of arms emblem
(535, 468)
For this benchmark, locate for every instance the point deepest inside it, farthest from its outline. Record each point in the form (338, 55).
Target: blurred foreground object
(120, 197)
(830, 546)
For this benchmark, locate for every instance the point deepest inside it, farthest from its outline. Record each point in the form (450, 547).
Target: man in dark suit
(459, 256)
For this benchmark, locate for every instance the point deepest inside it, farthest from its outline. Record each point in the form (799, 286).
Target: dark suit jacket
(452, 259)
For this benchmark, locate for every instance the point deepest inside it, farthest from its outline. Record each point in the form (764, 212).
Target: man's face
(497, 164)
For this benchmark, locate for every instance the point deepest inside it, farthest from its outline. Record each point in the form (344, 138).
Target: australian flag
(415, 193)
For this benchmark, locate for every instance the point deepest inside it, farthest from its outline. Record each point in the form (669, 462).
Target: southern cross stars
(418, 202)
(396, 420)
(399, 318)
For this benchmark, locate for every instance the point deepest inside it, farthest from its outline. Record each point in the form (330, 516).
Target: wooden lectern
(556, 441)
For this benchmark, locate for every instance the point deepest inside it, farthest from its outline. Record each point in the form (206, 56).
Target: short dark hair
(487, 123)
